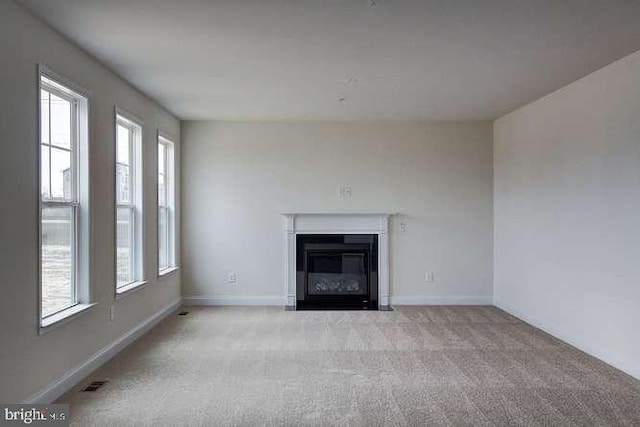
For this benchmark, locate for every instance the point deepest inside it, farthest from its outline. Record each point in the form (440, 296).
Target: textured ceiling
(347, 59)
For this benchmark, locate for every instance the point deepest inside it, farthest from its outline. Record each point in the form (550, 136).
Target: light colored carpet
(413, 366)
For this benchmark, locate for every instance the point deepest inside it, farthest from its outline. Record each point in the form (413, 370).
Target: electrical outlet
(233, 278)
(403, 227)
(345, 191)
(429, 277)
(112, 313)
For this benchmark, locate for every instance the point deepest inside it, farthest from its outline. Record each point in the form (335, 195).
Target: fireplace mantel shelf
(341, 213)
(351, 214)
(337, 223)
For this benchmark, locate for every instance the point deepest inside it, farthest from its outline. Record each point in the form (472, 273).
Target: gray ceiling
(387, 59)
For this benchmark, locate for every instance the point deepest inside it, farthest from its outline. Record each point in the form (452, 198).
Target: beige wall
(238, 177)
(28, 362)
(567, 213)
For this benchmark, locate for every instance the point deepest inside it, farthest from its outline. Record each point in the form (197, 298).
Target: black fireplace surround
(336, 272)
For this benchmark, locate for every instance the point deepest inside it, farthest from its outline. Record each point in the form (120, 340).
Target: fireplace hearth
(337, 272)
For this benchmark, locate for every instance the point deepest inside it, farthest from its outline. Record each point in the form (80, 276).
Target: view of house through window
(128, 192)
(166, 209)
(59, 197)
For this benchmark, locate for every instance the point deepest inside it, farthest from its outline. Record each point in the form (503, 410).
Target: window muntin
(166, 205)
(128, 202)
(60, 208)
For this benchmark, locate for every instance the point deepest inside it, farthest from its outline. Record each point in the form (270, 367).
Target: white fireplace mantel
(337, 223)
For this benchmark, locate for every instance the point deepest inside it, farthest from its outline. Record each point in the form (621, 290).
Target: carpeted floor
(412, 366)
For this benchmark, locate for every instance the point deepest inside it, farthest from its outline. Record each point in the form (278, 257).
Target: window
(166, 205)
(128, 184)
(64, 197)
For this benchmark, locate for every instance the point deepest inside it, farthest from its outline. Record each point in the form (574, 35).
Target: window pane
(45, 185)
(124, 244)
(60, 122)
(161, 157)
(61, 174)
(44, 116)
(165, 205)
(123, 183)
(122, 155)
(162, 190)
(58, 290)
(162, 193)
(162, 238)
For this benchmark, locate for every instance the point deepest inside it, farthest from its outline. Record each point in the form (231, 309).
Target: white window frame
(79, 203)
(170, 204)
(135, 204)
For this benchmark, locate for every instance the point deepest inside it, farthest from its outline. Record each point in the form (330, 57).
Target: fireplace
(304, 227)
(337, 271)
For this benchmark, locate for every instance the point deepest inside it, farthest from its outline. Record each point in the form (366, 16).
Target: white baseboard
(216, 300)
(73, 376)
(455, 300)
(631, 367)
(232, 300)
(266, 300)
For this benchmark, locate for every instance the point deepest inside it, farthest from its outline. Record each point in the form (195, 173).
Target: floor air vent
(94, 385)
(183, 313)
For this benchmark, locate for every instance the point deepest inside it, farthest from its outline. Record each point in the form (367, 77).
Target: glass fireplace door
(337, 273)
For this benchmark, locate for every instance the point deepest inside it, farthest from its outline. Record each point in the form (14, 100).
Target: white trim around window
(128, 213)
(64, 290)
(166, 181)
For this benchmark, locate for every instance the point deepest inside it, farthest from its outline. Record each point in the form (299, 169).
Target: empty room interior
(320, 212)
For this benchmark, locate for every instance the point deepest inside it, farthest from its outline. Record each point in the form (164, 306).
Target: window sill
(167, 271)
(65, 316)
(130, 288)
